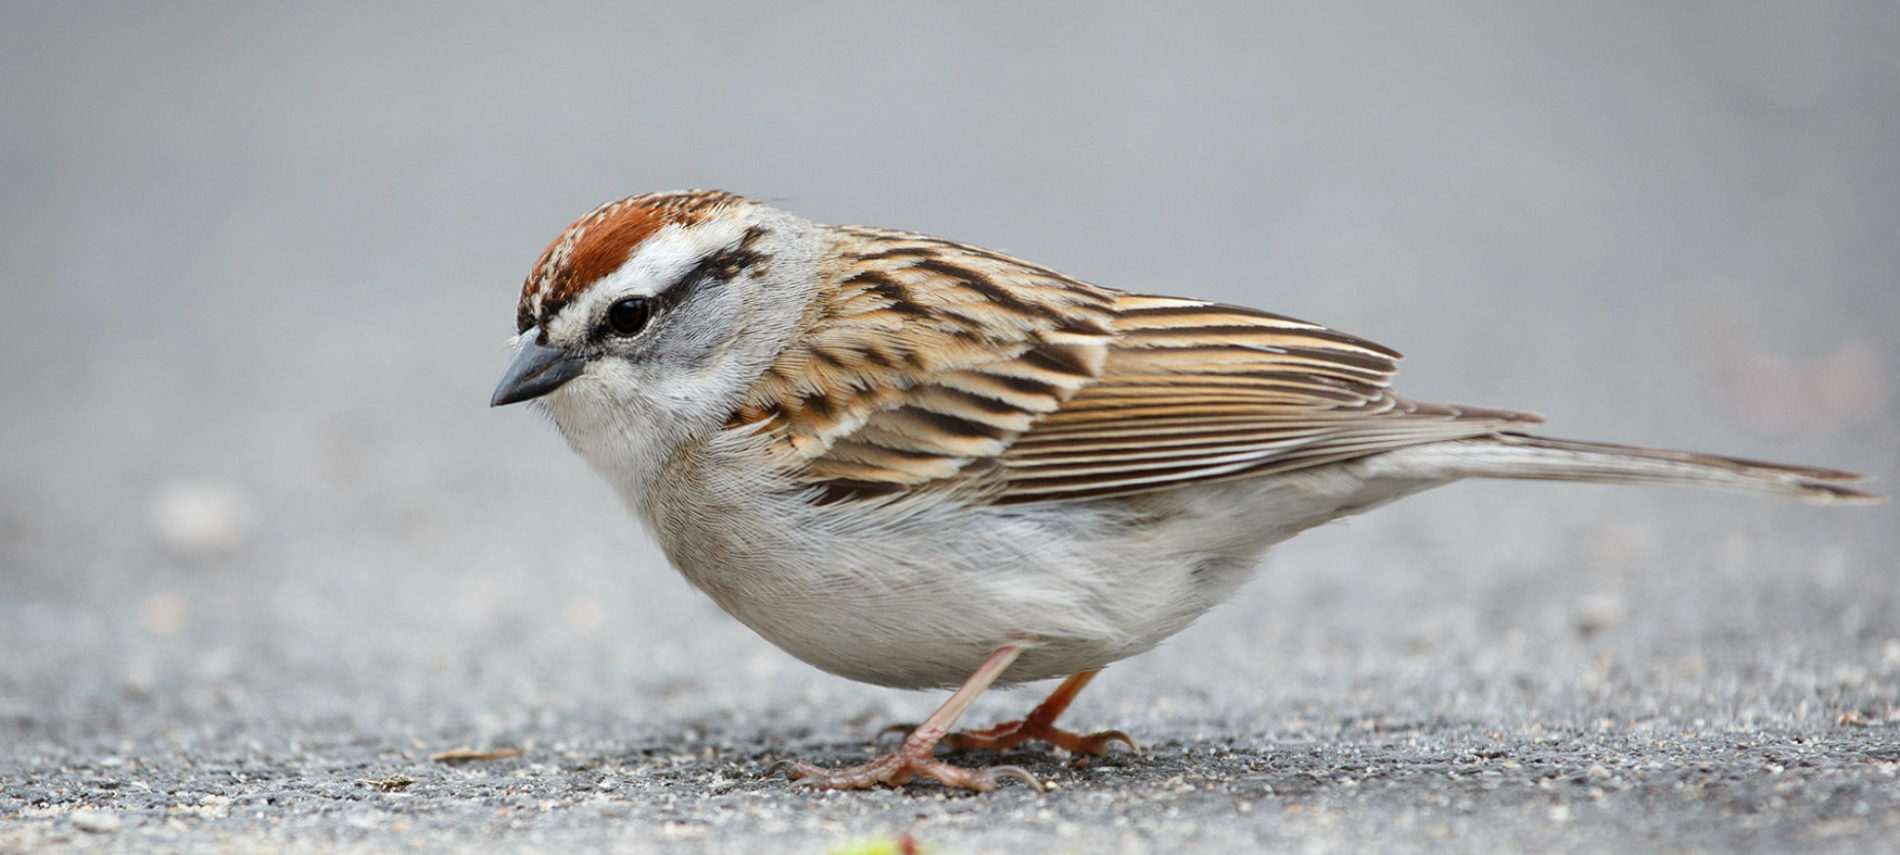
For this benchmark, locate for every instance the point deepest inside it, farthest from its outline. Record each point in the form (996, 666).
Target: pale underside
(938, 366)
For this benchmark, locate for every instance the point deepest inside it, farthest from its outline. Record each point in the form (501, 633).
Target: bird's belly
(919, 599)
(927, 621)
(915, 629)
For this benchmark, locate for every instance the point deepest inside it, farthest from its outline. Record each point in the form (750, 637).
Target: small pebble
(201, 518)
(97, 821)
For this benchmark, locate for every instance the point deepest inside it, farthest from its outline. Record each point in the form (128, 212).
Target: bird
(921, 464)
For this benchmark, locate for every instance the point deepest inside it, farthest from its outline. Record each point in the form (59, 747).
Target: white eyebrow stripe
(663, 259)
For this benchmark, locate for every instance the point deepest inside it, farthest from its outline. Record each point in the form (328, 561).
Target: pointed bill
(537, 369)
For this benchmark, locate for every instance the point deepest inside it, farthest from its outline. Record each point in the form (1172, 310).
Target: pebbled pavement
(264, 551)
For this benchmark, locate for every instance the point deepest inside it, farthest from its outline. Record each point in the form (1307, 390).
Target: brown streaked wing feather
(935, 365)
(927, 357)
(1196, 391)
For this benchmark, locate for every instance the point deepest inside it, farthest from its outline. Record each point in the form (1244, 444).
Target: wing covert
(942, 366)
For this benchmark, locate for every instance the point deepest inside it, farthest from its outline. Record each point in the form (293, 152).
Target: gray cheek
(692, 336)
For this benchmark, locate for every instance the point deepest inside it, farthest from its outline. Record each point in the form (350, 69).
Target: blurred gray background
(261, 539)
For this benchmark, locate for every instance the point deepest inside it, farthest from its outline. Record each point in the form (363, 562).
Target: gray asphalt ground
(264, 550)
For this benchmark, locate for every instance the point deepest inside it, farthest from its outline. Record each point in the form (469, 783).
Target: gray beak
(536, 370)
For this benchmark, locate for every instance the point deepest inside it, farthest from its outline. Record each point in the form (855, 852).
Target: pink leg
(1040, 724)
(915, 756)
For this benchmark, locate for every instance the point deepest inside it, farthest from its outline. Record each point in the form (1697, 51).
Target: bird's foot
(1040, 724)
(1010, 734)
(897, 768)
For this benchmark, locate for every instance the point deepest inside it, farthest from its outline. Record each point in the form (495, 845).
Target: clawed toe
(1038, 726)
(895, 770)
(995, 774)
(916, 756)
(1097, 743)
(785, 766)
(1011, 734)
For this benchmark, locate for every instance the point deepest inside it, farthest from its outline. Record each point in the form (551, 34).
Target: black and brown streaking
(934, 365)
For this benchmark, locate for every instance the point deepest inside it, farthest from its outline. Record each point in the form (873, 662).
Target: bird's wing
(942, 366)
(1198, 391)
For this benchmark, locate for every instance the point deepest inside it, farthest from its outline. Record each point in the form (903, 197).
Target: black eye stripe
(700, 273)
(630, 315)
(718, 267)
(723, 266)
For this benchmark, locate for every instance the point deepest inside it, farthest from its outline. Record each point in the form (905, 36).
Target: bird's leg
(915, 756)
(1040, 724)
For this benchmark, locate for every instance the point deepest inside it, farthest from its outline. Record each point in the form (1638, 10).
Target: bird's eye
(629, 315)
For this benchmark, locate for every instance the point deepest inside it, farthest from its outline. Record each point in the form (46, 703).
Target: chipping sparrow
(917, 463)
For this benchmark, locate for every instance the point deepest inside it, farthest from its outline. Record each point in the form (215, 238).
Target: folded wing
(942, 366)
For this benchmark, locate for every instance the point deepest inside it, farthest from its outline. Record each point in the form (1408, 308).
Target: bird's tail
(1517, 455)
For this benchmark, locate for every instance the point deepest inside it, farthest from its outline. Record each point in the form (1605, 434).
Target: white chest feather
(915, 595)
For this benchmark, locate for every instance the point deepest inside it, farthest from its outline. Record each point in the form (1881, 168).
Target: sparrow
(918, 463)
